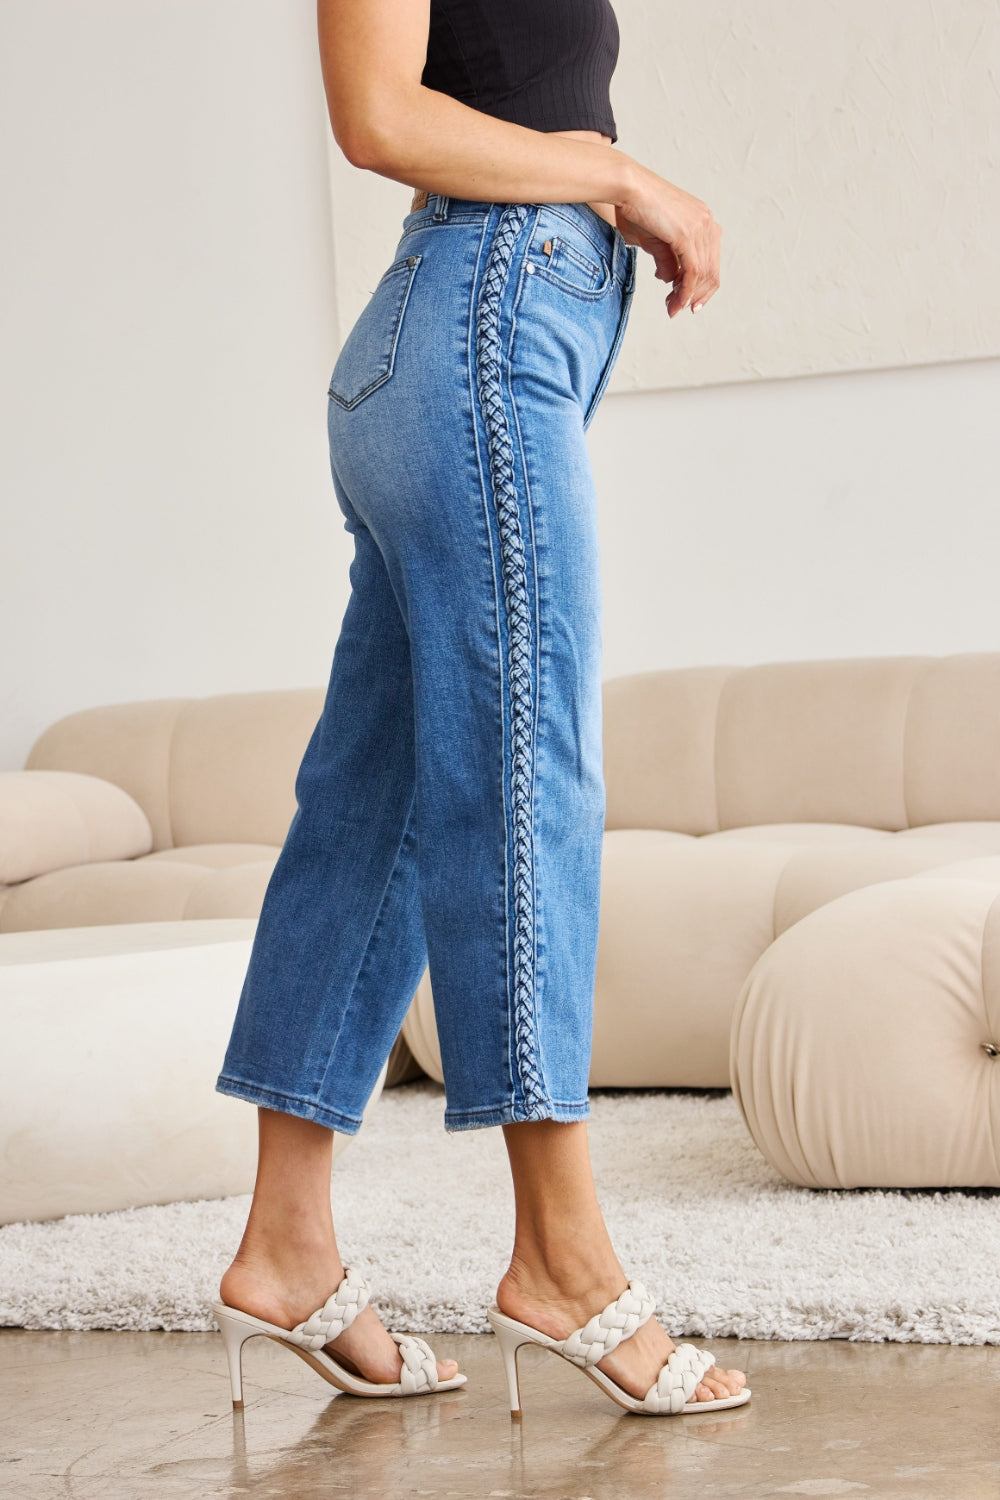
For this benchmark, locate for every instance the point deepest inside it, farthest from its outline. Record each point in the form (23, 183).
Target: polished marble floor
(98, 1416)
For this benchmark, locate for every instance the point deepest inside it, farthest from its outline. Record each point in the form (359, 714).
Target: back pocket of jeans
(367, 358)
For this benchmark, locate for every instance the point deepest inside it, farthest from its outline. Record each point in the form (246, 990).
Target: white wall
(841, 515)
(169, 325)
(169, 329)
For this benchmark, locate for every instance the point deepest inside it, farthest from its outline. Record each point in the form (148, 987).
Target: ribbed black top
(546, 64)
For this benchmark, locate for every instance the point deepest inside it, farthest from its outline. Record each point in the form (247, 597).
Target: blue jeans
(451, 798)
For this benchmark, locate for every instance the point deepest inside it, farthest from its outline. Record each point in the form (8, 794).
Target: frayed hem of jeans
(289, 1104)
(510, 1114)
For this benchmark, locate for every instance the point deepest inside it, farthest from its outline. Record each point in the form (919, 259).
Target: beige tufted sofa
(740, 799)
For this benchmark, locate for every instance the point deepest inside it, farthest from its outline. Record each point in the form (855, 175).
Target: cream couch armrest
(52, 819)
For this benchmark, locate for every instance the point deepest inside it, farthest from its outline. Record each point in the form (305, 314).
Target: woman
(451, 800)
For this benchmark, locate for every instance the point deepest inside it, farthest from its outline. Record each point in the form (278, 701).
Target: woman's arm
(372, 54)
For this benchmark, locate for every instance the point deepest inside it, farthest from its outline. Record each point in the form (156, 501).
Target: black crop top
(546, 64)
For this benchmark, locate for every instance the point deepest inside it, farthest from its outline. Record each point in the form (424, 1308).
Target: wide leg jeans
(450, 802)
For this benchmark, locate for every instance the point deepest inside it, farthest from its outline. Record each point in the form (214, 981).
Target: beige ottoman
(865, 1043)
(112, 1041)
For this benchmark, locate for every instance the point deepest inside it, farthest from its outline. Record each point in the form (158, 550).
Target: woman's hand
(679, 232)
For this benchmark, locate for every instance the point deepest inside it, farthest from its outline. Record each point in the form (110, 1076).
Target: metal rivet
(530, 269)
(411, 260)
(990, 1048)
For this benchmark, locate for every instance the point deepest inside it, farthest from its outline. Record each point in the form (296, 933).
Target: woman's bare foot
(636, 1362)
(564, 1269)
(288, 1262)
(286, 1297)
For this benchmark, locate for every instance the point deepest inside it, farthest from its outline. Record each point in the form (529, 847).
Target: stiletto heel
(671, 1391)
(234, 1336)
(509, 1344)
(309, 1341)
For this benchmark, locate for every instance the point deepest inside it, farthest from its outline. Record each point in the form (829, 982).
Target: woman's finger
(699, 276)
(685, 288)
(668, 266)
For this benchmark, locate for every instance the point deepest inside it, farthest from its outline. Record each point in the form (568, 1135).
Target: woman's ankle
(282, 1271)
(280, 1232)
(562, 1249)
(279, 1292)
(564, 1282)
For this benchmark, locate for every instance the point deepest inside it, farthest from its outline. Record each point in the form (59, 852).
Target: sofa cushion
(864, 1040)
(206, 770)
(236, 891)
(951, 764)
(113, 1037)
(140, 890)
(217, 856)
(659, 749)
(233, 764)
(681, 924)
(126, 743)
(52, 819)
(815, 741)
(812, 877)
(985, 869)
(985, 835)
(822, 834)
(101, 893)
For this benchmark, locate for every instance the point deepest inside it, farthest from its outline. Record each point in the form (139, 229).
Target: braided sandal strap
(419, 1372)
(337, 1313)
(607, 1329)
(678, 1379)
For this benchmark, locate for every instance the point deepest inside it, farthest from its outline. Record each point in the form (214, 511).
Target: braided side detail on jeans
(489, 357)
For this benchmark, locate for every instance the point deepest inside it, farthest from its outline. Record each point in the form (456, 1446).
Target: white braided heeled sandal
(418, 1377)
(670, 1393)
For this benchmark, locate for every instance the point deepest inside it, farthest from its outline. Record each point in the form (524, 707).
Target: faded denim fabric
(451, 799)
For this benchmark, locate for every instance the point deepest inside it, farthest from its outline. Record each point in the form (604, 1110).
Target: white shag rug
(729, 1248)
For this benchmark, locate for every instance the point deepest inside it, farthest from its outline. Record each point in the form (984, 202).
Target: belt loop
(631, 257)
(440, 207)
